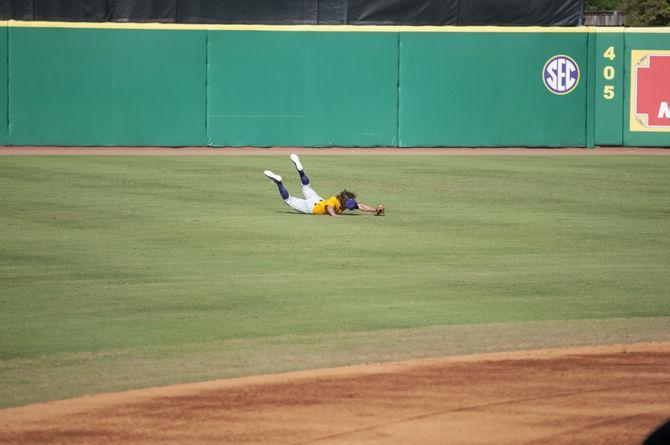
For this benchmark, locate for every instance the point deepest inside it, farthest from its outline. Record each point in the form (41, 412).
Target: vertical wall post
(609, 91)
(590, 89)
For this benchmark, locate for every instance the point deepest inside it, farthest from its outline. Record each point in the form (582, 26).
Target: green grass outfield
(124, 272)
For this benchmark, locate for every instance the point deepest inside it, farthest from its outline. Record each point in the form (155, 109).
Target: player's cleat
(275, 178)
(296, 162)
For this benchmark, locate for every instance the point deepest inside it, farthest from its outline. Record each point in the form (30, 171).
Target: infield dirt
(585, 395)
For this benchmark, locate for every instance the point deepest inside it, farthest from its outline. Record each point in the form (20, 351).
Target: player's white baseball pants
(304, 205)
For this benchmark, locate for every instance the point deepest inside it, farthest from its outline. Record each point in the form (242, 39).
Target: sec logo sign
(560, 74)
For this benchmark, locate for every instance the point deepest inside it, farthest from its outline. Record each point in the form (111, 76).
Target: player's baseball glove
(379, 210)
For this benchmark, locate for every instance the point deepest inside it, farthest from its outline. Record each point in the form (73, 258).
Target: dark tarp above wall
(402, 12)
(520, 12)
(71, 10)
(356, 12)
(247, 12)
(16, 9)
(143, 10)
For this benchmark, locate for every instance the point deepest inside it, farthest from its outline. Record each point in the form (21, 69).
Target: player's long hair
(344, 195)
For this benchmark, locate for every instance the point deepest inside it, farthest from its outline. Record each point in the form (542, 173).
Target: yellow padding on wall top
(332, 28)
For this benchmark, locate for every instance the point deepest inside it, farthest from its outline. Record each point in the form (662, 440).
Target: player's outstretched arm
(375, 210)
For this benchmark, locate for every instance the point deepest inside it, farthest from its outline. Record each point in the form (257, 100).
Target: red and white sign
(650, 91)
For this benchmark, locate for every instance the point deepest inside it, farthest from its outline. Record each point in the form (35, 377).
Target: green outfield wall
(302, 88)
(106, 87)
(486, 89)
(226, 85)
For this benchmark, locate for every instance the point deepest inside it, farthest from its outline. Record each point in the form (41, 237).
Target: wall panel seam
(207, 139)
(397, 123)
(8, 89)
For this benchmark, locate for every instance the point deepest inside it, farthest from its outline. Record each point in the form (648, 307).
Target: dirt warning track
(585, 395)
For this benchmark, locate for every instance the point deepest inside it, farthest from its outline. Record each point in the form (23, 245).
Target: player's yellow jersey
(320, 207)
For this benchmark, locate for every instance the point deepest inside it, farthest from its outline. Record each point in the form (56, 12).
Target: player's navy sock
(282, 190)
(303, 177)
